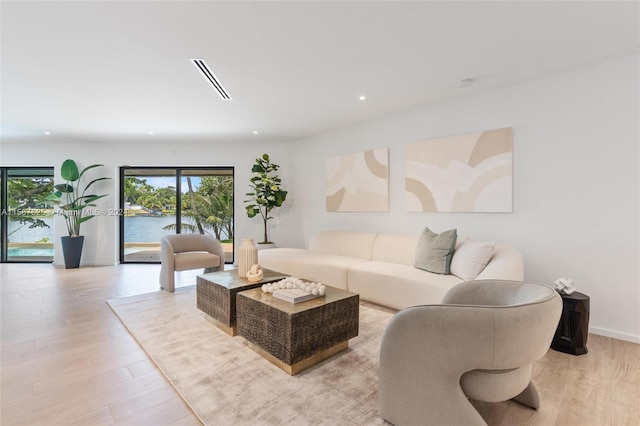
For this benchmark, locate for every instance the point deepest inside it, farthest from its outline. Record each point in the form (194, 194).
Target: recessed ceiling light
(255, 132)
(466, 82)
(151, 133)
(47, 133)
(362, 98)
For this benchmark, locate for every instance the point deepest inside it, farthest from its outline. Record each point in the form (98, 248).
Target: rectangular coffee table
(216, 295)
(296, 336)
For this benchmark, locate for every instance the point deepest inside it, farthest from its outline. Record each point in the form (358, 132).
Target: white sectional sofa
(380, 267)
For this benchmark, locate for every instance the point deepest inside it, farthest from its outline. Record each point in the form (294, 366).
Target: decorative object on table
(247, 256)
(464, 173)
(565, 285)
(72, 199)
(573, 327)
(267, 193)
(295, 290)
(358, 182)
(255, 273)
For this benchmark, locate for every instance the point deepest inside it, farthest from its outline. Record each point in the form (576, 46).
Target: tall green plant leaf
(266, 193)
(69, 171)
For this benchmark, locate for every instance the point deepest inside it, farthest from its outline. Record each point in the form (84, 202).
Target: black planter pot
(72, 250)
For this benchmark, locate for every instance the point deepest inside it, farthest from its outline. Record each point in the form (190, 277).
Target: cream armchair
(180, 252)
(480, 343)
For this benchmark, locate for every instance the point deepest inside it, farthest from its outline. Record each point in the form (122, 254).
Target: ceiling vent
(211, 78)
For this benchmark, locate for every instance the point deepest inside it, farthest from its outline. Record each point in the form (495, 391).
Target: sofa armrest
(214, 246)
(506, 264)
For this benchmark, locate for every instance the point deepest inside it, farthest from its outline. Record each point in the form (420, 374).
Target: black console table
(571, 334)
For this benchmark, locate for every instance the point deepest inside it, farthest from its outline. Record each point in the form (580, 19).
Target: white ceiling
(102, 71)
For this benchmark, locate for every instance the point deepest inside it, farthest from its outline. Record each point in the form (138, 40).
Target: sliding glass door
(157, 201)
(26, 227)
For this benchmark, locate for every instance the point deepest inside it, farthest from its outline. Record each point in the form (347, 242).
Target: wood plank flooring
(67, 359)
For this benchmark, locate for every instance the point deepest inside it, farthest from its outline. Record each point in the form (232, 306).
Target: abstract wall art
(358, 182)
(465, 173)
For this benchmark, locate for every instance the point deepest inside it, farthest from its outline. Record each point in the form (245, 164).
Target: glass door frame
(4, 209)
(178, 174)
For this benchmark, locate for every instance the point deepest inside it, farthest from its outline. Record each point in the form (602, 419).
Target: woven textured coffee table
(296, 336)
(216, 295)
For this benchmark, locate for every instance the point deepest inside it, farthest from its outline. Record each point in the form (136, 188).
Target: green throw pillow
(434, 251)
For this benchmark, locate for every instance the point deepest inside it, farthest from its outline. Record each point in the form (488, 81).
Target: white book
(293, 295)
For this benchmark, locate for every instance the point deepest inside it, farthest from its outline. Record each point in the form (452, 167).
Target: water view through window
(150, 197)
(26, 231)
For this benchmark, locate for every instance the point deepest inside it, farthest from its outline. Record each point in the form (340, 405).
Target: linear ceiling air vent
(206, 72)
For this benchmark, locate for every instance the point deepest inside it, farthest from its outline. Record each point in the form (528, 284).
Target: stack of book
(294, 295)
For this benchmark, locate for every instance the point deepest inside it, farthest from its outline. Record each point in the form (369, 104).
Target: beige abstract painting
(358, 182)
(464, 173)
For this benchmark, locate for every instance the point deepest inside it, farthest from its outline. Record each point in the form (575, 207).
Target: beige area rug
(227, 383)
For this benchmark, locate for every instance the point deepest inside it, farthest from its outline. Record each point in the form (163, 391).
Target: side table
(295, 336)
(216, 295)
(571, 334)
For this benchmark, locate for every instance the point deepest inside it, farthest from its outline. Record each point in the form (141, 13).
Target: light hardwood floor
(67, 359)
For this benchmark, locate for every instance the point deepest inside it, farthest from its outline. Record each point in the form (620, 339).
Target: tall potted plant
(73, 200)
(267, 192)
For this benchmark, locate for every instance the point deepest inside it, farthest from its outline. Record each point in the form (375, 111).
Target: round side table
(573, 329)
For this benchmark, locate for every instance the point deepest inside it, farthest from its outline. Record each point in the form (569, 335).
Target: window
(26, 227)
(156, 201)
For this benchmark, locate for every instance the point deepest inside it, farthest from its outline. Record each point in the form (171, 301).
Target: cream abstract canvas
(464, 173)
(358, 182)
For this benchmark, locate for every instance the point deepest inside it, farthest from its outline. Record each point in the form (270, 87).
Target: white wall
(101, 233)
(576, 183)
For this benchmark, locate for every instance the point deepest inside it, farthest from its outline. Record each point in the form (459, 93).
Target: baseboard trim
(614, 334)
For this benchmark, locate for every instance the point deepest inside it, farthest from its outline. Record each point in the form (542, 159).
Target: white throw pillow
(471, 258)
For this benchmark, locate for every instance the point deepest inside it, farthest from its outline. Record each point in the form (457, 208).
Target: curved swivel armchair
(179, 252)
(479, 343)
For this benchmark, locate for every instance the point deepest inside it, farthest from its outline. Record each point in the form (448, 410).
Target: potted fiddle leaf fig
(267, 192)
(74, 202)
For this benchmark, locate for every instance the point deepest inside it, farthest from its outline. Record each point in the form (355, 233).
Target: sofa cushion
(398, 286)
(395, 248)
(434, 251)
(195, 260)
(278, 258)
(324, 268)
(343, 243)
(470, 258)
